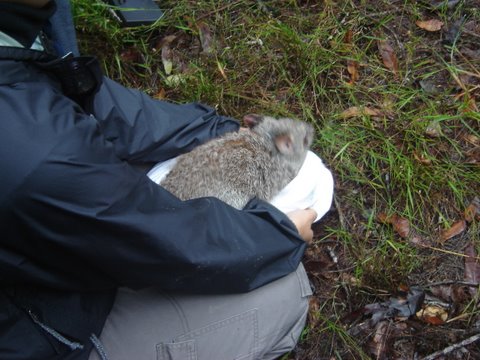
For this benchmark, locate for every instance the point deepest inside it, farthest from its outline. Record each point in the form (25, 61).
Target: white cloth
(311, 188)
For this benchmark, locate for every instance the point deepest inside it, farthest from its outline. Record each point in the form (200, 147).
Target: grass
(418, 157)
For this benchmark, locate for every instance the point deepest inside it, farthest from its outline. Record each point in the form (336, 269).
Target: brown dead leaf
(472, 139)
(422, 159)
(131, 55)
(473, 210)
(472, 268)
(352, 68)
(456, 229)
(433, 314)
(206, 38)
(453, 293)
(400, 224)
(429, 25)
(161, 94)
(352, 65)
(402, 227)
(388, 55)
(355, 111)
(166, 40)
(349, 36)
(379, 344)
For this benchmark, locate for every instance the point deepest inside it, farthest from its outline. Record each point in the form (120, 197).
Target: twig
(453, 347)
(459, 317)
(340, 213)
(447, 251)
(450, 282)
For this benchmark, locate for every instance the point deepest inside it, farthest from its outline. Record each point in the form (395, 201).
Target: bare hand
(303, 220)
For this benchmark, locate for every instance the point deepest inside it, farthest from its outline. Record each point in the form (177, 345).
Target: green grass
(289, 58)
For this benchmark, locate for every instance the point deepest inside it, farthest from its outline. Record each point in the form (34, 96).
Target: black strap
(79, 76)
(22, 54)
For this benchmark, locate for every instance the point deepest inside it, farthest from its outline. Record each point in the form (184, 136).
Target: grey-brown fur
(239, 166)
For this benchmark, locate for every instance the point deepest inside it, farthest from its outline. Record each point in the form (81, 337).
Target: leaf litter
(388, 56)
(430, 25)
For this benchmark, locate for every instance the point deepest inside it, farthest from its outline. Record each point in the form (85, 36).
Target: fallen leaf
(206, 38)
(422, 159)
(472, 268)
(352, 65)
(434, 129)
(429, 25)
(349, 36)
(355, 111)
(131, 55)
(473, 210)
(166, 40)
(161, 94)
(456, 229)
(400, 224)
(388, 55)
(379, 344)
(450, 293)
(167, 59)
(472, 139)
(352, 68)
(174, 80)
(433, 314)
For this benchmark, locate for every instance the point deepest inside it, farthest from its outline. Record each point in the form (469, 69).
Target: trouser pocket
(209, 343)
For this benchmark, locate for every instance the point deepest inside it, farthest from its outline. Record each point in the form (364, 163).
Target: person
(99, 262)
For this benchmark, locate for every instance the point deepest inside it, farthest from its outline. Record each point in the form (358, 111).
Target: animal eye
(305, 141)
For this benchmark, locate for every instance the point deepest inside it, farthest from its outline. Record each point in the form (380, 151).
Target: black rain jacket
(77, 220)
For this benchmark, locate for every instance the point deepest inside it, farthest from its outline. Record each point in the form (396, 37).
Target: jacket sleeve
(79, 218)
(143, 129)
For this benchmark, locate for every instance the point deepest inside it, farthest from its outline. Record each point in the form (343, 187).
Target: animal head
(292, 138)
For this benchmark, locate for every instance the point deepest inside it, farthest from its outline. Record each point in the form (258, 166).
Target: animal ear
(251, 120)
(284, 144)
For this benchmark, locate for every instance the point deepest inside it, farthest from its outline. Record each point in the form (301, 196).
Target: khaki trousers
(262, 324)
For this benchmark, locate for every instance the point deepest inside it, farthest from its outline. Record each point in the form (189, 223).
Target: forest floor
(393, 90)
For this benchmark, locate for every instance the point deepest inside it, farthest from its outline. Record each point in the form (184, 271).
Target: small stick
(453, 347)
(447, 251)
(451, 282)
(340, 213)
